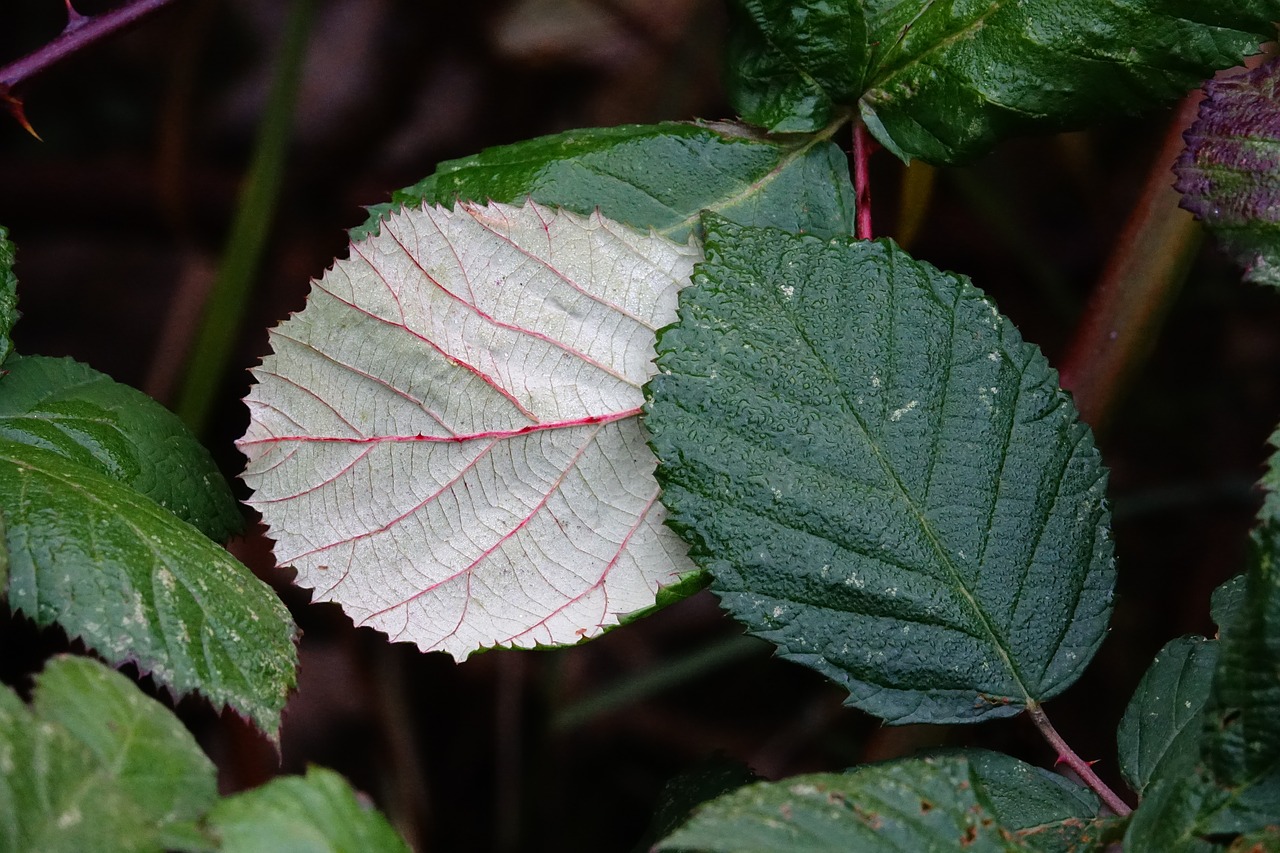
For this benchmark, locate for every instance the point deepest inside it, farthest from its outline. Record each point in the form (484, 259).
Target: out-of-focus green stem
(225, 309)
(1146, 268)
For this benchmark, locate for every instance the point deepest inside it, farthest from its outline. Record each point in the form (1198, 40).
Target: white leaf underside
(447, 441)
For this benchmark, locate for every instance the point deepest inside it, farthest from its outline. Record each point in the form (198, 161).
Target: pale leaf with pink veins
(446, 441)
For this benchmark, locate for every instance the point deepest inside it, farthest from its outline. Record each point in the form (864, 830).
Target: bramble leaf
(654, 176)
(976, 801)
(944, 81)
(316, 812)
(1229, 173)
(95, 764)
(73, 410)
(881, 476)
(8, 294)
(134, 582)
(1162, 729)
(447, 440)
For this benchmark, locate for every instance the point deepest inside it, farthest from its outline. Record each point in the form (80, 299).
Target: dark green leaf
(881, 476)
(1263, 841)
(8, 294)
(73, 410)
(1229, 174)
(943, 81)
(655, 176)
(1165, 822)
(713, 777)
(1269, 515)
(1242, 745)
(973, 802)
(1161, 731)
(136, 583)
(315, 814)
(96, 765)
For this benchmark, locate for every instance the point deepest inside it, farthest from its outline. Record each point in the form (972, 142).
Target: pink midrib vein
(586, 420)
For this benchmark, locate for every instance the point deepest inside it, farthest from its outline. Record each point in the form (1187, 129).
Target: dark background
(120, 216)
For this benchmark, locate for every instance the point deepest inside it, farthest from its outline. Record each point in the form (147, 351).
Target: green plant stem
(1141, 278)
(223, 313)
(664, 677)
(1082, 768)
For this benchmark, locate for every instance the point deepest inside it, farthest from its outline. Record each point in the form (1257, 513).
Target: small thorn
(74, 19)
(14, 104)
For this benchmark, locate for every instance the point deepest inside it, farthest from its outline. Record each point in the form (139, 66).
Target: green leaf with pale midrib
(654, 176)
(137, 584)
(944, 81)
(881, 476)
(73, 410)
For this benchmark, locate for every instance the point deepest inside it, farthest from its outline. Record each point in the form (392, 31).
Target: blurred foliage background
(121, 215)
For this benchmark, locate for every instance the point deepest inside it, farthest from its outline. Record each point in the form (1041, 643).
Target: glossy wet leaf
(1229, 173)
(1162, 729)
(881, 476)
(658, 176)
(135, 583)
(318, 813)
(977, 801)
(447, 440)
(944, 81)
(71, 409)
(95, 764)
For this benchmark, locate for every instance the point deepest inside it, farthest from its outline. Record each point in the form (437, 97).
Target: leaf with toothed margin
(447, 442)
(136, 583)
(8, 294)
(882, 477)
(1229, 173)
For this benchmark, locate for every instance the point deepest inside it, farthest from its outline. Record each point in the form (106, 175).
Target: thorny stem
(1068, 756)
(861, 180)
(80, 32)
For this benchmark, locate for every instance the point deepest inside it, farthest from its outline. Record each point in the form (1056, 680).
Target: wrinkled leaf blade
(882, 478)
(1229, 173)
(944, 81)
(136, 584)
(71, 409)
(447, 440)
(1161, 731)
(318, 812)
(654, 176)
(8, 294)
(935, 803)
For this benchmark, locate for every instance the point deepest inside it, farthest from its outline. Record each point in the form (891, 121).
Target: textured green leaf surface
(1229, 173)
(943, 81)
(318, 813)
(881, 476)
(71, 409)
(97, 765)
(8, 294)
(1162, 728)
(655, 176)
(972, 802)
(136, 583)
(1269, 515)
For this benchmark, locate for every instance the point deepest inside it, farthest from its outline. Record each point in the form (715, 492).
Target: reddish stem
(79, 32)
(1068, 756)
(861, 180)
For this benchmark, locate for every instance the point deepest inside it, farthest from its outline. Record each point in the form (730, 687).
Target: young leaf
(97, 765)
(137, 584)
(447, 440)
(1162, 728)
(73, 410)
(977, 801)
(654, 176)
(8, 294)
(318, 812)
(944, 81)
(1229, 173)
(882, 478)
